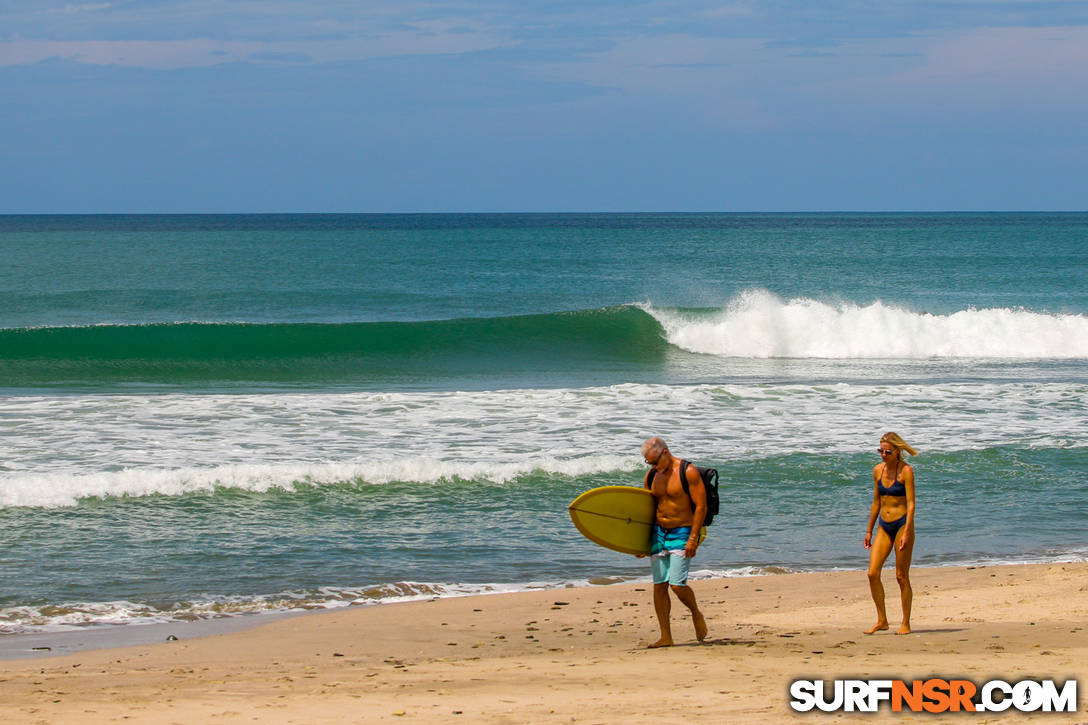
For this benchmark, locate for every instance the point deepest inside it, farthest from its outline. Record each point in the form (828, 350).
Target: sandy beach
(578, 655)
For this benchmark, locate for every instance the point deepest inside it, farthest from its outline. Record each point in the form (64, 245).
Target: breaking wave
(757, 324)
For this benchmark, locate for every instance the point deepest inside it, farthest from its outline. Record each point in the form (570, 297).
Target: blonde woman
(893, 509)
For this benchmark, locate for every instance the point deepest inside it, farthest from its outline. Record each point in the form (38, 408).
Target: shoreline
(579, 653)
(45, 644)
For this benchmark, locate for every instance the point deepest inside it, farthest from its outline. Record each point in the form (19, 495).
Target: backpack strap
(684, 478)
(648, 481)
(684, 481)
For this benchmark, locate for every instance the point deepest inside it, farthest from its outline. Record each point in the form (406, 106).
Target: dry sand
(578, 655)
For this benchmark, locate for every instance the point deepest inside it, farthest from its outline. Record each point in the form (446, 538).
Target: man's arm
(647, 483)
(697, 492)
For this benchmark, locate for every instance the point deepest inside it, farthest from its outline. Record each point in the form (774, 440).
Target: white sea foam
(65, 448)
(1075, 555)
(79, 615)
(58, 489)
(758, 324)
(67, 617)
(71, 616)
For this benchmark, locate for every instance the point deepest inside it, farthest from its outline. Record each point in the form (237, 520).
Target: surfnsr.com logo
(933, 695)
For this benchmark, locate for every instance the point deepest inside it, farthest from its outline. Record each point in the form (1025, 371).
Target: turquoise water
(210, 415)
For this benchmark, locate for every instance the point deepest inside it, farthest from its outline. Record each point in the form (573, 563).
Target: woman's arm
(908, 483)
(874, 511)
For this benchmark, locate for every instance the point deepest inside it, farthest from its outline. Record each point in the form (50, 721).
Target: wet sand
(579, 655)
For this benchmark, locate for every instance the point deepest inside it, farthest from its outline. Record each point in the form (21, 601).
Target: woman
(893, 501)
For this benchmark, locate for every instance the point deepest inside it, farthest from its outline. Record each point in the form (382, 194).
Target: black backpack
(710, 485)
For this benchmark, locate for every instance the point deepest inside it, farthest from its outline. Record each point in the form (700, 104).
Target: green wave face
(609, 338)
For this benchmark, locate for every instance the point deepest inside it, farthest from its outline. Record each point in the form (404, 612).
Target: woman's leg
(882, 546)
(902, 575)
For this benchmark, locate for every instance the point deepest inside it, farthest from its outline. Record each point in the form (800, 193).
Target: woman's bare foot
(877, 627)
(663, 642)
(700, 625)
(905, 629)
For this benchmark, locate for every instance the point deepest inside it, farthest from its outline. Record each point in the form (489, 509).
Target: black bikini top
(896, 489)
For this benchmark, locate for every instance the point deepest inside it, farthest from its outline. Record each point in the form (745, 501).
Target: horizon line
(541, 213)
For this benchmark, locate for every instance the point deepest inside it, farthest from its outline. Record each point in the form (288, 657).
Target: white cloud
(192, 53)
(735, 10)
(202, 52)
(74, 9)
(1044, 70)
(663, 63)
(1008, 58)
(753, 83)
(1003, 55)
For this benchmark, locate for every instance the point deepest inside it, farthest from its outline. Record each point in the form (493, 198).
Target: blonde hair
(898, 443)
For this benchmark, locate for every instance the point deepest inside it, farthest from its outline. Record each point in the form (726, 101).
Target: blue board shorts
(667, 560)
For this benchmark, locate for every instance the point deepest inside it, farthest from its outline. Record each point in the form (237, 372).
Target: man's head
(653, 450)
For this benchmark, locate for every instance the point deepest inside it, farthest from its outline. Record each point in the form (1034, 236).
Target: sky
(160, 106)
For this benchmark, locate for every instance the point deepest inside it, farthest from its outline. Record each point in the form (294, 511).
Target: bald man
(675, 538)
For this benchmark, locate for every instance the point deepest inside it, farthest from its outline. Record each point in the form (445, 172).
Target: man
(679, 521)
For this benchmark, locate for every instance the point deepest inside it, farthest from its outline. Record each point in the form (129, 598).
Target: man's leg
(687, 597)
(662, 606)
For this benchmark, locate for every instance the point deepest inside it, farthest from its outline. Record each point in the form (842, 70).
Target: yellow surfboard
(616, 517)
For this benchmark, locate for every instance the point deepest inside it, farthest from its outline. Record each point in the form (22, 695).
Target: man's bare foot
(663, 642)
(905, 629)
(700, 625)
(877, 627)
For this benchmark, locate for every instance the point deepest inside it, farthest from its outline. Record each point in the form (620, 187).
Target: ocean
(210, 416)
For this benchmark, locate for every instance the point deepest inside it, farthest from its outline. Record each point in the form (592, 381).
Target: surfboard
(616, 517)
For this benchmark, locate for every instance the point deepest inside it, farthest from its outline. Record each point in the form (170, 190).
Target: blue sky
(330, 105)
